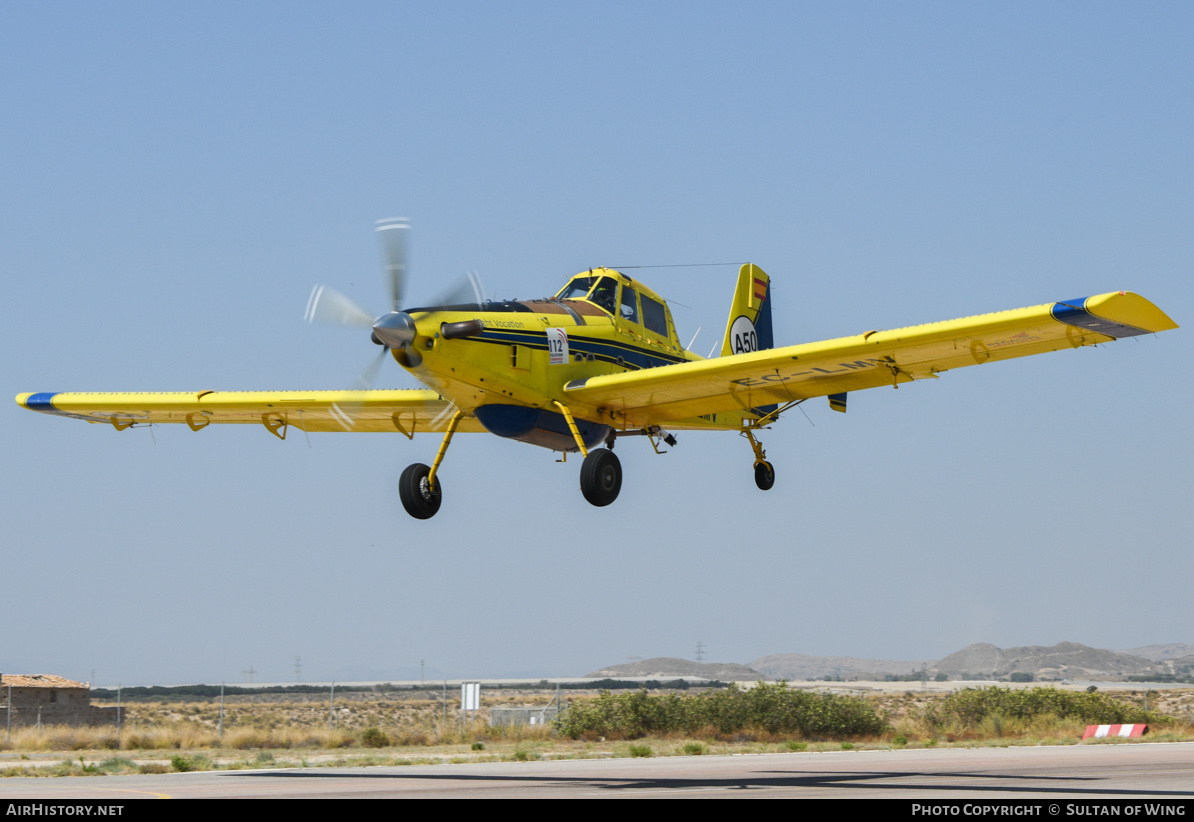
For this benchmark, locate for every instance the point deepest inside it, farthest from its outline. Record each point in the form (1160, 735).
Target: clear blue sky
(174, 179)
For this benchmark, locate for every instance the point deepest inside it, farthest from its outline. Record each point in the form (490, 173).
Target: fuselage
(507, 362)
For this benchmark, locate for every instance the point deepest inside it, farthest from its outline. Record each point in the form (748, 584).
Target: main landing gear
(419, 489)
(764, 471)
(601, 472)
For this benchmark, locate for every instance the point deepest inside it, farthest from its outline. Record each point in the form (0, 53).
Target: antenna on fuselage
(694, 336)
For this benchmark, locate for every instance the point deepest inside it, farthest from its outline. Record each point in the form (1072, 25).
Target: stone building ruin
(47, 699)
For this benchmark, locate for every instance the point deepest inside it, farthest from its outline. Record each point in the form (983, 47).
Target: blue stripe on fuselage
(612, 351)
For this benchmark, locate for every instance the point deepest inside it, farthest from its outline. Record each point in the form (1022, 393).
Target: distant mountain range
(1066, 660)
(667, 667)
(1162, 653)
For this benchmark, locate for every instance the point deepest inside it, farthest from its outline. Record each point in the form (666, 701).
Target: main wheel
(764, 475)
(601, 477)
(415, 492)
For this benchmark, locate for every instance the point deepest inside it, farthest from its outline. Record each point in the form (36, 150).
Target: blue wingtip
(1073, 312)
(42, 402)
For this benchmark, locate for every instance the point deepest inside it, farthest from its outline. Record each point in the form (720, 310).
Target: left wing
(409, 411)
(746, 381)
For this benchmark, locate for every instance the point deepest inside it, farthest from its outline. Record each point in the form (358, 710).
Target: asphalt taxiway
(1050, 774)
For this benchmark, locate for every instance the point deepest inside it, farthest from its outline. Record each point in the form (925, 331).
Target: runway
(1108, 772)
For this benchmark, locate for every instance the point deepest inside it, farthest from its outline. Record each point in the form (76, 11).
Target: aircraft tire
(764, 475)
(417, 498)
(601, 477)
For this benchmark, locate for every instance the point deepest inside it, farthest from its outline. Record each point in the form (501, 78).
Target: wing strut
(773, 415)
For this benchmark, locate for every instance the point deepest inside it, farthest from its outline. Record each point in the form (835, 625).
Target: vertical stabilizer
(749, 326)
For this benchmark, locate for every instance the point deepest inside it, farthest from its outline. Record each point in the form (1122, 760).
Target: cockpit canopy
(623, 298)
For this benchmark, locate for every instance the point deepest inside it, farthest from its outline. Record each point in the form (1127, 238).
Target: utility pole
(298, 669)
(249, 672)
(700, 652)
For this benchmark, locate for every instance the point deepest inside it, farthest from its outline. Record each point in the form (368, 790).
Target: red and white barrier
(1102, 731)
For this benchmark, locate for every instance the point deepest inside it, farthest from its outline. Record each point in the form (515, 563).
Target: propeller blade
(326, 305)
(395, 235)
(348, 411)
(443, 417)
(369, 375)
(466, 292)
(478, 289)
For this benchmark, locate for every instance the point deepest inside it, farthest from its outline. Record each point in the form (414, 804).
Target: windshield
(577, 288)
(605, 293)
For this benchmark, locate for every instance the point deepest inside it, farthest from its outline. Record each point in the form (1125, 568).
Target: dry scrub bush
(63, 738)
(768, 711)
(519, 733)
(261, 738)
(997, 713)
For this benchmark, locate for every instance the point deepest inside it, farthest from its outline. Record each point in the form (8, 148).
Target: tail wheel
(764, 475)
(601, 477)
(415, 492)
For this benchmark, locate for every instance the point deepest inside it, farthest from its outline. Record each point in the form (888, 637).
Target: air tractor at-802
(597, 362)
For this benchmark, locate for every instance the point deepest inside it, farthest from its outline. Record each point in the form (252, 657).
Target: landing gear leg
(601, 472)
(419, 489)
(764, 471)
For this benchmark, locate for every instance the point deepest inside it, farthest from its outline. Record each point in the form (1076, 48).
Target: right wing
(409, 411)
(742, 382)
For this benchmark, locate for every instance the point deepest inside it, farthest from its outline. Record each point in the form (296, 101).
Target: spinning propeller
(395, 329)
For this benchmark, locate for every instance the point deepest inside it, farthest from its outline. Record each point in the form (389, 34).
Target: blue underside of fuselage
(537, 426)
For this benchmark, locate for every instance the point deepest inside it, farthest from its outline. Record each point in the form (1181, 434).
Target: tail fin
(749, 326)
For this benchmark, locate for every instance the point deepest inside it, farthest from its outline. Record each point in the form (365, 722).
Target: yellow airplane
(599, 361)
